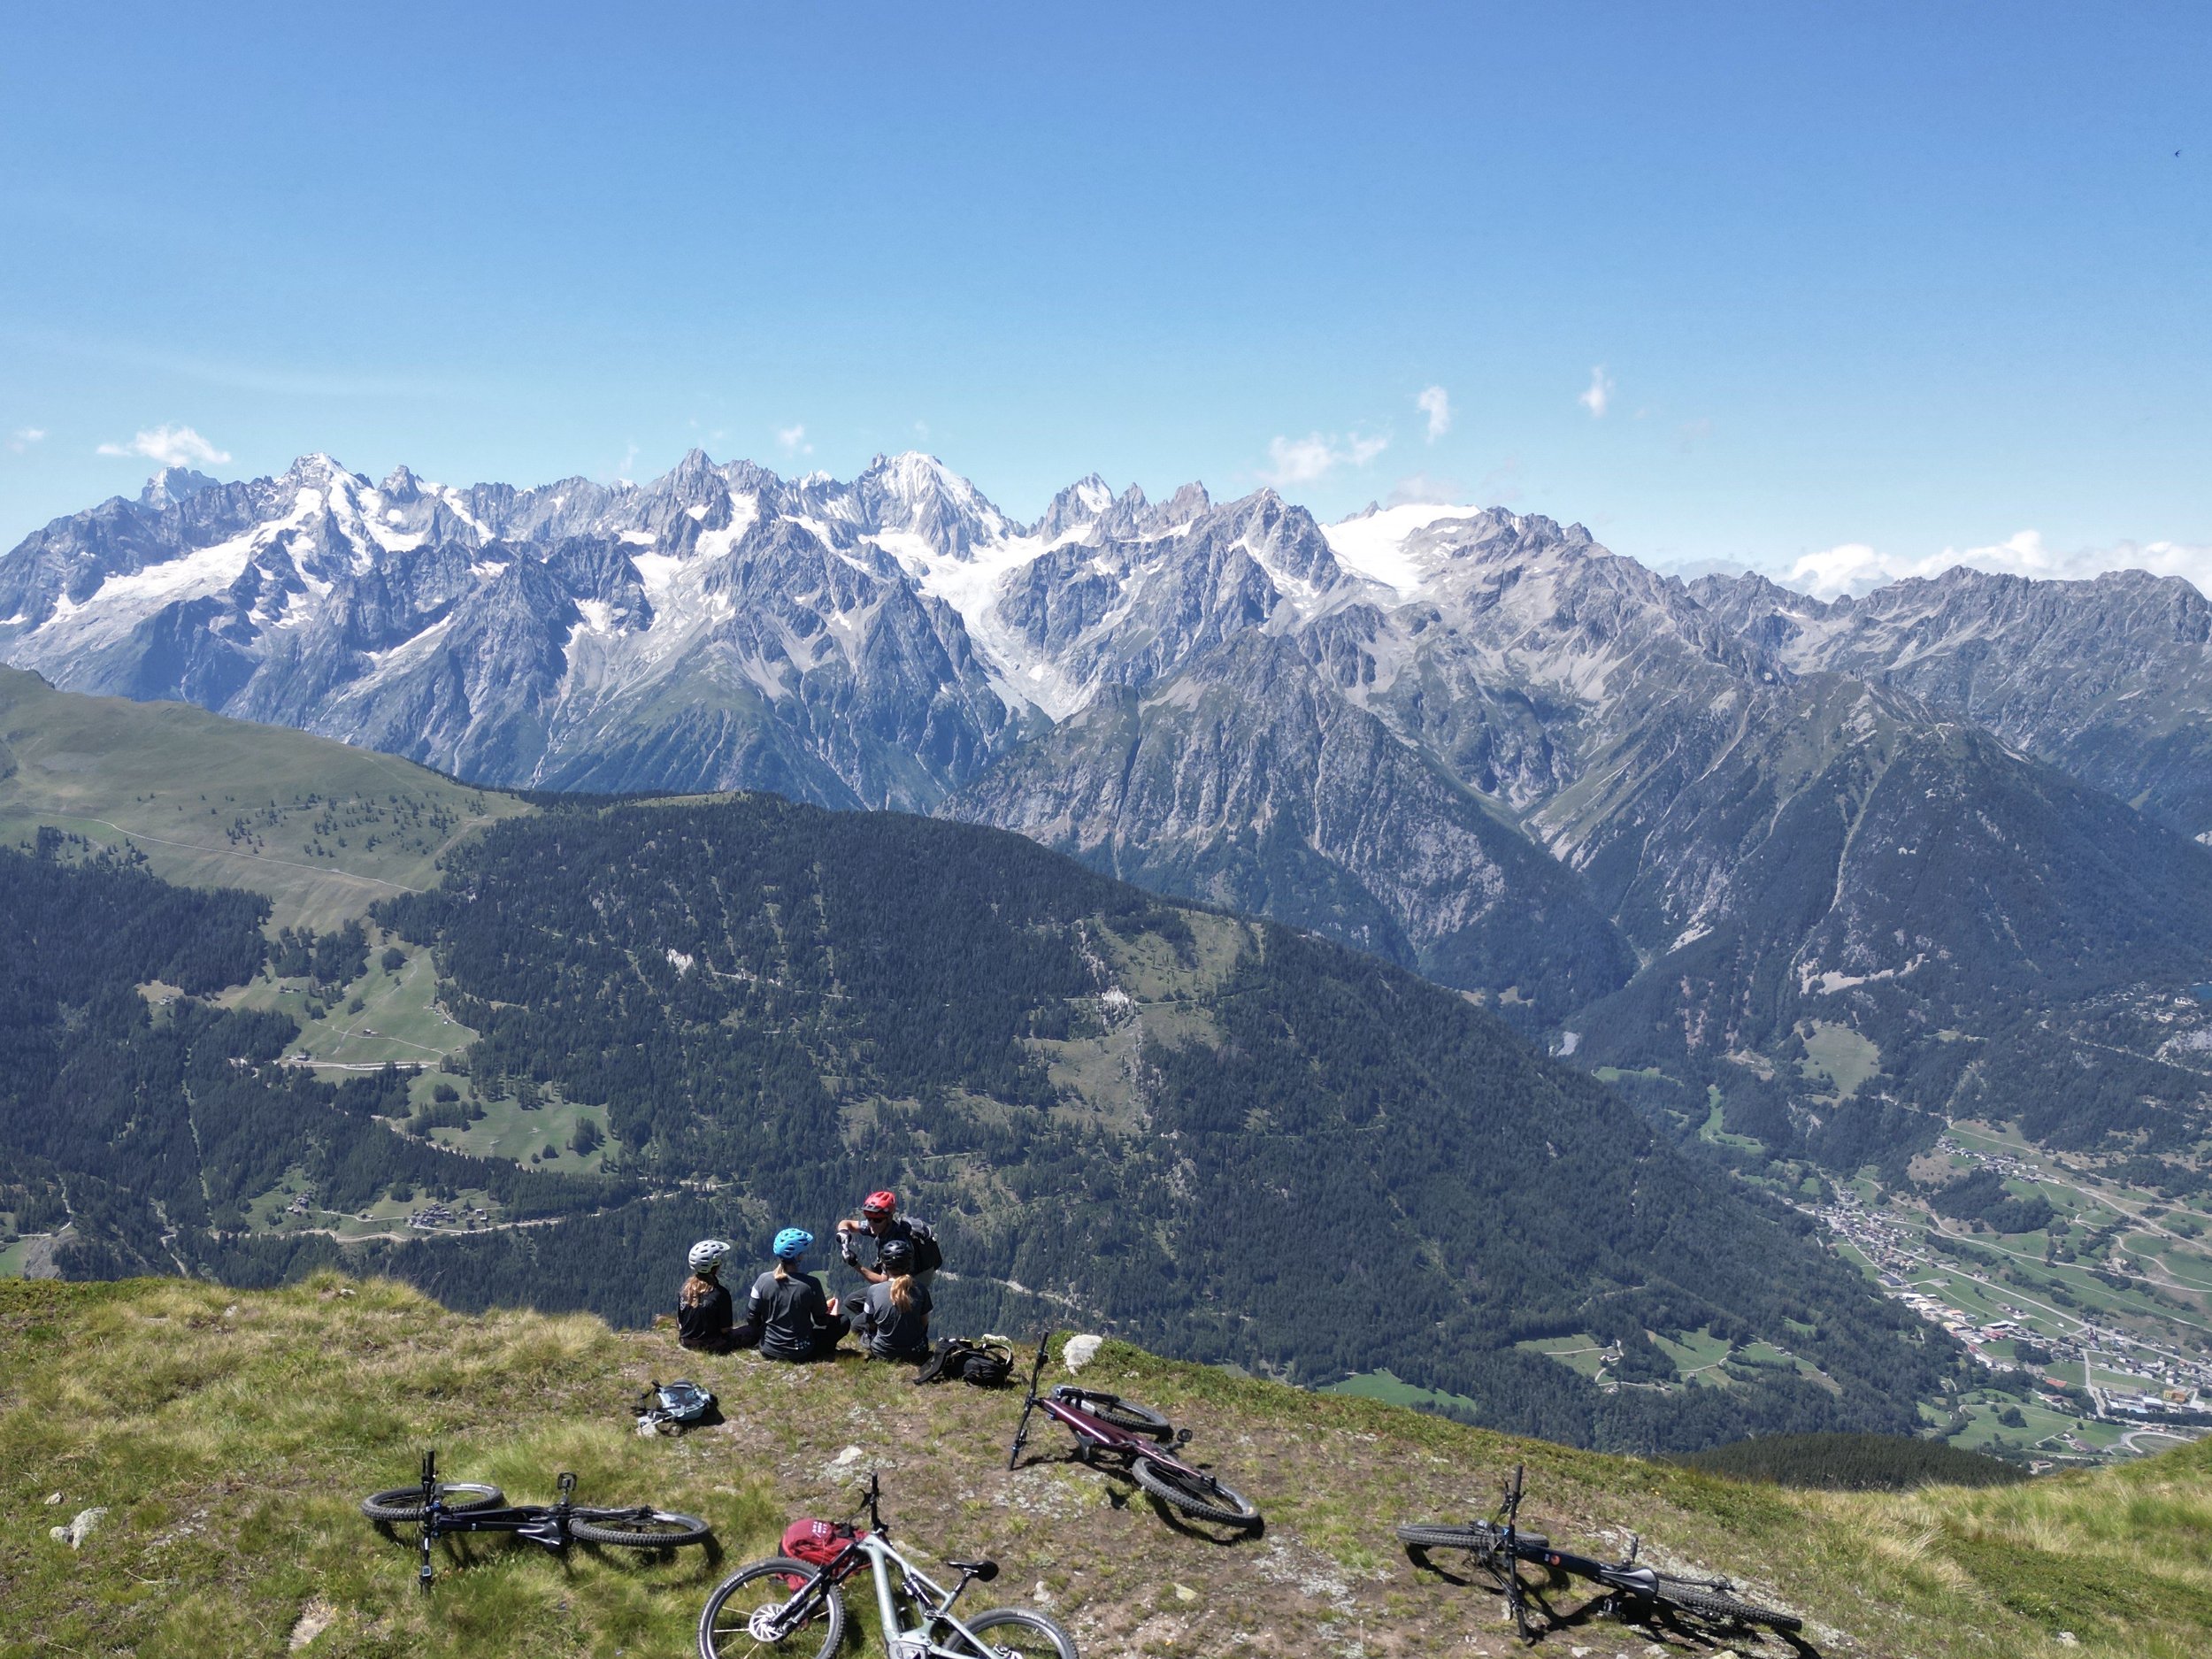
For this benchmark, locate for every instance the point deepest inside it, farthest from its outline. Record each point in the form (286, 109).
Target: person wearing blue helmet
(788, 1316)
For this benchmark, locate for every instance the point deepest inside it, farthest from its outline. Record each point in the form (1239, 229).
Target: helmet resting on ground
(883, 1204)
(793, 1242)
(707, 1255)
(896, 1256)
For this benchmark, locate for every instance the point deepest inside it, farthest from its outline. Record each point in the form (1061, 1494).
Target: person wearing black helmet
(704, 1317)
(894, 1318)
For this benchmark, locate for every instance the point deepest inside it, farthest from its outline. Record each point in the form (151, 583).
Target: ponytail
(902, 1291)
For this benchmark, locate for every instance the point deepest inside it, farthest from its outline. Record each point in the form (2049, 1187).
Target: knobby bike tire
(722, 1628)
(1126, 1414)
(1708, 1604)
(638, 1529)
(1206, 1498)
(404, 1504)
(1052, 1640)
(1480, 1538)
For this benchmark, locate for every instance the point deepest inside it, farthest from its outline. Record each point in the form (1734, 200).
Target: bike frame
(1623, 1577)
(546, 1524)
(875, 1548)
(1064, 1406)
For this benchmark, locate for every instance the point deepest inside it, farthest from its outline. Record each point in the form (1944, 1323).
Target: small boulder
(75, 1533)
(1081, 1351)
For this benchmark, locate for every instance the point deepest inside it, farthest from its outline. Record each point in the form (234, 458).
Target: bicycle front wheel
(1017, 1633)
(726, 1628)
(1480, 1537)
(1200, 1495)
(1703, 1602)
(638, 1529)
(404, 1504)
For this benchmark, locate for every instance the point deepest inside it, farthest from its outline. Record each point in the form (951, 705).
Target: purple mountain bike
(1112, 1431)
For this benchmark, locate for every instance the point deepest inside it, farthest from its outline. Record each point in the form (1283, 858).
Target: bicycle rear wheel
(638, 1529)
(1017, 1633)
(726, 1628)
(1703, 1602)
(1202, 1497)
(404, 1504)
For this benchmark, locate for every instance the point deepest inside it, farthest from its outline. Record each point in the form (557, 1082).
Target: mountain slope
(2109, 679)
(323, 830)
(1230, 1141)
(226, 1435)
(1476, 743)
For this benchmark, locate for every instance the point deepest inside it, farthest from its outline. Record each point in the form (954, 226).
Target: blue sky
(1734, 282)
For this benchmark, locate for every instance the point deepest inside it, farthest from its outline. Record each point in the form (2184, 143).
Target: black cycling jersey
(707, 1321)
(792, 1317)
(920, 1235)
(889, 1332)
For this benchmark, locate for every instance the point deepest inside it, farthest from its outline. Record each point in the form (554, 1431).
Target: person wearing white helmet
(703, 1314)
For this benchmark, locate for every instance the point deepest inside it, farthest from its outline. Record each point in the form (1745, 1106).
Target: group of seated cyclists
(788, 1316)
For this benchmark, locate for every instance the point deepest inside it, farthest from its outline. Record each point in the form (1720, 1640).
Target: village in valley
(2094, 1327)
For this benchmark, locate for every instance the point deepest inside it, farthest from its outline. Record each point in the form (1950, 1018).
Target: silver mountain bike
(786, 1607)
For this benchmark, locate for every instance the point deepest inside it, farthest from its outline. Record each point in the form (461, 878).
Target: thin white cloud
(1854, 567)
(171, 446)
(1600, 395)
(1436, 403)
(23, 437)
(792, 438)
(1302, 460)
(1424, 489)
(629, 460)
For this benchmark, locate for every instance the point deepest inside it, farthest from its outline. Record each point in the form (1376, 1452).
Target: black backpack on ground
(979, 1365)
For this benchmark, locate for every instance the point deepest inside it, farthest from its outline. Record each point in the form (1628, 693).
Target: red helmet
(885, 1203)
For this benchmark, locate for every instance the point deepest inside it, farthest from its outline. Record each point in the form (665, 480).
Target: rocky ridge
(1476, 742)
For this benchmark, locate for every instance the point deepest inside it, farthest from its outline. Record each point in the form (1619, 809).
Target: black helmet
(896, 1256)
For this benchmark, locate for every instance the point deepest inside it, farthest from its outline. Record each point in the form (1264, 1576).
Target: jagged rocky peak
(172, 484)
(401, 486)
(1081, 504)
(318, 469)
(1177, 510)
(919, 495)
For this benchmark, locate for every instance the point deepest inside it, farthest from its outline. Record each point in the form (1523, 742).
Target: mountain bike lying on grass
(1108, 1426)
(784, 1605)
(1500, 1547)
(465, 1506)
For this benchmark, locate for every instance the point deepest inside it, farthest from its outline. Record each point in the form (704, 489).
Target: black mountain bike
(465, 1506)
(1500, 1547)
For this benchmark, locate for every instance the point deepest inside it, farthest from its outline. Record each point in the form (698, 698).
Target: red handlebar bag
(817, 1543)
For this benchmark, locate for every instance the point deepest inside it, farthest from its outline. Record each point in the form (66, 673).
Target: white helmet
(708, 1253)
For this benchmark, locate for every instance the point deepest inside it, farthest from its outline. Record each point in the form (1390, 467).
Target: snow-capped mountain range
(1474, 741)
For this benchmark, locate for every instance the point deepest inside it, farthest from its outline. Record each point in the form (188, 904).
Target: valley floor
(223, 1439)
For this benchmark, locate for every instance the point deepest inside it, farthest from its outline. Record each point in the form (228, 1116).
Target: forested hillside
(1219, 1137)
(137, 1131)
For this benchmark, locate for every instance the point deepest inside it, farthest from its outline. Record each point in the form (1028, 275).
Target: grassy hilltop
(323, 829)
(228, 1435)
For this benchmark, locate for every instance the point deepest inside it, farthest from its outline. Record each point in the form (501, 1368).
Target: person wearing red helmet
(880, 1222)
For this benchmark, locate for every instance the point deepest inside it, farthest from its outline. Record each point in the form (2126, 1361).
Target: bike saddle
(981, 1571)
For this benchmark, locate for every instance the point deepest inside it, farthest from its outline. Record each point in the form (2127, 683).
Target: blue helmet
(793, 1243)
